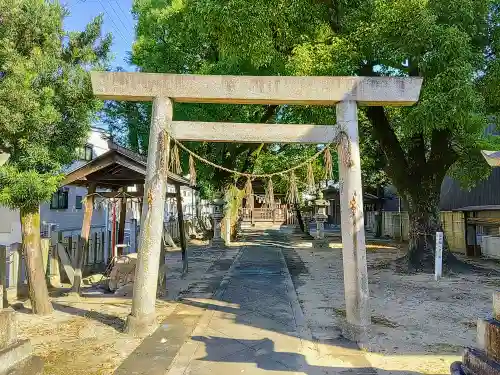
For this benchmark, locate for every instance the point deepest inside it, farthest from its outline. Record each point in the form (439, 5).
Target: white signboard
(438, 269)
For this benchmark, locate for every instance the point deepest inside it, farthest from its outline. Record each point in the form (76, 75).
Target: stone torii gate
(165, 89)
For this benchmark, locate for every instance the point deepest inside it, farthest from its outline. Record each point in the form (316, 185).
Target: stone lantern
(320, 218)
(217, 217)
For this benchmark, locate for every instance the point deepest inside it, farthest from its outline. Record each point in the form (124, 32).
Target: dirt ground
(418, 324)
(84, 336)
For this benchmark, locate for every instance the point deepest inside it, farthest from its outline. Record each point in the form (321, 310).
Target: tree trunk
(378, 223)
(379, 207)
(37, 286)
(299, 218)
(425, 221)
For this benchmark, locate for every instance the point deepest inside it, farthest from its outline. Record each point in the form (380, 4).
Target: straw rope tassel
(192, 171)
(327, 156)
(175, 160)
(270, 193)
(344, 146)
(248, 194)
(311, 186)
(292, 196)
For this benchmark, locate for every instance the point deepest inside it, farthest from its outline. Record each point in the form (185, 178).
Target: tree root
(451, 265)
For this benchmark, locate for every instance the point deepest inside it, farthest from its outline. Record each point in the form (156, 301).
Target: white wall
(188, 196)
(68, 220)
(10, 226)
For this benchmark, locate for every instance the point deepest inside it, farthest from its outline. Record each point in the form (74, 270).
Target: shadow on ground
(262, 353)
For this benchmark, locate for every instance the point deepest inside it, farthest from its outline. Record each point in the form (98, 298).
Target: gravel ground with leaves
(416, 321)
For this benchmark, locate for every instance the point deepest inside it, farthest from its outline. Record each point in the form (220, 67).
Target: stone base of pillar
(354, 332)
(16, 356)
(54, 281)
(74, 295)
(141, 326)
(217, 242)
(321, 243)
(18, 359)
(478, 362)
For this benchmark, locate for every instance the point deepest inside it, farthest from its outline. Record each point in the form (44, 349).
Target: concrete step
(18, 359)
(31, 366)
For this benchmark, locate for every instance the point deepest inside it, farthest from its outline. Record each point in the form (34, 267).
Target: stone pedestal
(485, 360)
(217, 217)
(16, 356)
(319, 239)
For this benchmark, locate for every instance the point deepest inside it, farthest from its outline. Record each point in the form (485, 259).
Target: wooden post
(113, 230)
(17, 269)
(140, 190)
(182, 231)
(142, 319)
(82, 246)
(3, 277)
(44, 246)
(96, 248)
(123, 216)
(352, 224)
(438, 266)
(227, 227)
(54, 273)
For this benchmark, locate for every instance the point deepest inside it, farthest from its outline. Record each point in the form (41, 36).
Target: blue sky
(117, 20)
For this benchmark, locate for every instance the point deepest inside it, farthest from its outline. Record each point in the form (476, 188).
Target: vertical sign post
(227, 234)
(438, 269)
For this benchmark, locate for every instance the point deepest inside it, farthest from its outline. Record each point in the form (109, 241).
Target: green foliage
(25, 189)
(452, 45)
(46, 100)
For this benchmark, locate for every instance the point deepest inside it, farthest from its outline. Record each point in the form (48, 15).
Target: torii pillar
(142, 319)
(352, 225)
(344, 92)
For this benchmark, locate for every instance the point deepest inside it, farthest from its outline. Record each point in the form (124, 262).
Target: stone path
(254, 325)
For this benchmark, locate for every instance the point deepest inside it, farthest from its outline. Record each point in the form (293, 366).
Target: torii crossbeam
(346, 93)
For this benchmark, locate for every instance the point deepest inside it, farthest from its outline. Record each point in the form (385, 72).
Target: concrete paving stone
(274, 310)
(253, 336)
(245, 297)
(280, 313)
(215, 346)
(257, 320)
(245, 361)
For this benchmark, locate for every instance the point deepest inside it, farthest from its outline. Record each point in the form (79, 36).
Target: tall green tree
(452, 45)
(46, 108)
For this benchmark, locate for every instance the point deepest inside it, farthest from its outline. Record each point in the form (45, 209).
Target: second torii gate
(165, 89)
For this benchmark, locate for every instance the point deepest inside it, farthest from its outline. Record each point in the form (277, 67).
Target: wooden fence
(13, 265)
(396, 225)
(280, 215)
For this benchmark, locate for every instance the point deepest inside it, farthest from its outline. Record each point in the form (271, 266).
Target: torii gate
(165, 89)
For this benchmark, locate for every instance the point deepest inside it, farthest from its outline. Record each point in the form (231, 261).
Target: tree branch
(333, 12)
(442, 155)
(396, 159)
(416, 155)
(268, 114)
